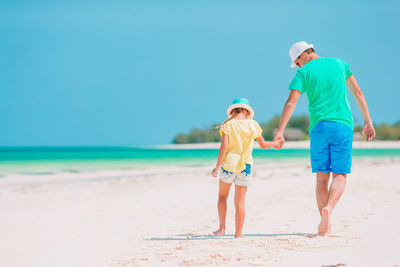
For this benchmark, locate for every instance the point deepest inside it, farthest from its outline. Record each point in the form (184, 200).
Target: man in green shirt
(325, 81)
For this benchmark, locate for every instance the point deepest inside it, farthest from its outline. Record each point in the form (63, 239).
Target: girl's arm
(277, 144)
(222, 152)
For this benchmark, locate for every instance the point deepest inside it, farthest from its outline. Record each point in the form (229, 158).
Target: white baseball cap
(296, 50)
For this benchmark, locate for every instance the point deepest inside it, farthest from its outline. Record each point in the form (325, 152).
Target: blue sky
(140, 72)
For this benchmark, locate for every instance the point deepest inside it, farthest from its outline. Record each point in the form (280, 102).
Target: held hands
(214, 172)
(279, 140)
(278, 143)
(368, 130)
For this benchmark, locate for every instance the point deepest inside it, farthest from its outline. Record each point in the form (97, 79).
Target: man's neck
(313, 56)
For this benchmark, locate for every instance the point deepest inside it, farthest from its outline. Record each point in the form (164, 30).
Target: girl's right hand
(214, 172)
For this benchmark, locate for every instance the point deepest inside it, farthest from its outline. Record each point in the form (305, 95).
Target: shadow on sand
(202, 237)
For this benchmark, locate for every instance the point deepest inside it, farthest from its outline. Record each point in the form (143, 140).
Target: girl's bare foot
(220, 231)
(239, 236)
(325, 225)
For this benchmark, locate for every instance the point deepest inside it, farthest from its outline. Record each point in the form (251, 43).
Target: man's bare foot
(220, 231)
(239, 236)
(324, 227)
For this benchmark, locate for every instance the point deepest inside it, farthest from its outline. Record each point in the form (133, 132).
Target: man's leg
(320, 152)
(340, 152)
(322, 190)
(335, 192)
(337, 188)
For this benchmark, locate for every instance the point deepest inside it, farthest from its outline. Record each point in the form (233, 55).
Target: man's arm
(287, 112)
(368, 128)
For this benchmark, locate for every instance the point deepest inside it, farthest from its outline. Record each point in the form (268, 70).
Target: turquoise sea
(42, 160)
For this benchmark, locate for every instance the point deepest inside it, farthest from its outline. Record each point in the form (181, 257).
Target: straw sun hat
(240, 103)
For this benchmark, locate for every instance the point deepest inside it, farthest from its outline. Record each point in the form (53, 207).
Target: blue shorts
(330, 147)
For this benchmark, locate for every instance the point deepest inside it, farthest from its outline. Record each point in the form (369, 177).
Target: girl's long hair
(234, 113)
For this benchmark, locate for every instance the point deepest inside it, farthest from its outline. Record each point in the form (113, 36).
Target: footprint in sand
(311, 235)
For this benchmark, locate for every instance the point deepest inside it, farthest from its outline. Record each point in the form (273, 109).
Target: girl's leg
(240, 193)
(222, 197)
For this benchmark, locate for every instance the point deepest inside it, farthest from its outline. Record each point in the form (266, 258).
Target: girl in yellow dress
(235, 159)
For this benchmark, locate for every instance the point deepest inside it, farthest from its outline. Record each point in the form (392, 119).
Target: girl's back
(241, 134)
(234, 159)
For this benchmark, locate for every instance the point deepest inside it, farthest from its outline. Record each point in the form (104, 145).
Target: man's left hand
(368, 131)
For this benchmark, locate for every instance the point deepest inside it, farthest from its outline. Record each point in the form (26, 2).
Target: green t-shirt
(324, 81)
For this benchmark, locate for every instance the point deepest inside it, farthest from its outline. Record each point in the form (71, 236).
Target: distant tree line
(384, 131)
(213, 135)
(297, 125)
(198, 136)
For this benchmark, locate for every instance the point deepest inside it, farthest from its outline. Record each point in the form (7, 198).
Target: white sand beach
(164, 217)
